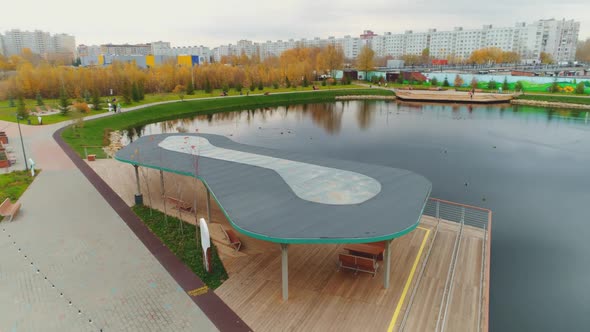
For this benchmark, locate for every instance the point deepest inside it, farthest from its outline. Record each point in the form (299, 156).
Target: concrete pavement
(70, 262)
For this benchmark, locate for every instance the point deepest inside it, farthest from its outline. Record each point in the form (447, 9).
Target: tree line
(295, 67)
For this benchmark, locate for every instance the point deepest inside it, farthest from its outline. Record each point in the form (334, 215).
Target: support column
(163, 189)
(387, 260)
(138, 195)
(208, 205)
(285, 270)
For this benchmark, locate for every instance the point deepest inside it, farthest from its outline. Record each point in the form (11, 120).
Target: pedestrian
(118, 107)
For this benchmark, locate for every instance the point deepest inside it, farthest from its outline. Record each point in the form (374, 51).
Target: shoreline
(552, 104)
(365, 97)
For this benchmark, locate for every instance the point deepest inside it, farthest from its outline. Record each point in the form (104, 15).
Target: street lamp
(18, 118)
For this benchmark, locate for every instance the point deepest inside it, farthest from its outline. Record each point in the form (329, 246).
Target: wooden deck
(320, 297)
(324, 299)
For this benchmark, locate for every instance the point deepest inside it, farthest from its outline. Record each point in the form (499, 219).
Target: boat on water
(453, 96)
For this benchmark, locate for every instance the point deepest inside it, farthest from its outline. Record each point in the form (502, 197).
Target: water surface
(530, 166)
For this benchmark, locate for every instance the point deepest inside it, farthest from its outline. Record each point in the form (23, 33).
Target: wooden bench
(357, 263)
(179, 204)
(7, 208)
(232, 237)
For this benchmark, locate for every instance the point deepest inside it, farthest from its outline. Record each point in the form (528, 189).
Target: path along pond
(530, 166)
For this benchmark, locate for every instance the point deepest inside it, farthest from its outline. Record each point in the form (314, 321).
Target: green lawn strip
(92, 133)
(559, 99)
(14, 184)
(183, 244)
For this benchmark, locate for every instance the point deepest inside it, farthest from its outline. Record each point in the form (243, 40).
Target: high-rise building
(39, 42)
(555, 37)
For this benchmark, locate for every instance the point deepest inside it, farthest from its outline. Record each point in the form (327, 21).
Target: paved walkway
(70, 263)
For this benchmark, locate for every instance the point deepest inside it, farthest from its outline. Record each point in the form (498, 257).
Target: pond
(530, 166)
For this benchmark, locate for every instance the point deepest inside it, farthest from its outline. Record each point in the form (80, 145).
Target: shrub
(64, 103)
(446, 82)
(323, 82)
(492, 85)
(96, 100)
(275, 85)
(180, 90)
(82, 107)
(260, 86)
(434, 81)
(21, 109)
(239, 87)
(252, 86)
(39, 99)
(554, 87)
(305, 82)
(287, 82)
(208, 88)
(519, 87)
(505, 86)
(135, 92)
(580, 88)
(190, 88)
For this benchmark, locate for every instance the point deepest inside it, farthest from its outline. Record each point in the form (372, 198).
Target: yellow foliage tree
(365, 60)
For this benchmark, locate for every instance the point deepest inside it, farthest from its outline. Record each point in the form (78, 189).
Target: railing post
(438, 210)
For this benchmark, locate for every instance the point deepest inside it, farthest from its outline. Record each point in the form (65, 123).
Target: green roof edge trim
(285, 240)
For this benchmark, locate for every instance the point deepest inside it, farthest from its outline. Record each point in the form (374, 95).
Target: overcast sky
(211, 23)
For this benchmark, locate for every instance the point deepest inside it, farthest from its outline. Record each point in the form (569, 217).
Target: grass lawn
(8, 113)
(93, 131)
(183, 244)
(14, 184)
(557, 98)
(157, 97)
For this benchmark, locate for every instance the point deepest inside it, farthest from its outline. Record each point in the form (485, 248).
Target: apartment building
(39, 42)
(556, 37)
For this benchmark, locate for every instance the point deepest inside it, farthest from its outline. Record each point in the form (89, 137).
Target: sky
(212, 23)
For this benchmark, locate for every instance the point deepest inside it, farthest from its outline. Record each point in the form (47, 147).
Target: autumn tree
(486, 55)
(330, 58)
(510, 57)
(425, 58)
(458, 81)
(582, 51)
(474, 83)
(364, 61)
(180, 90)
(546, 58)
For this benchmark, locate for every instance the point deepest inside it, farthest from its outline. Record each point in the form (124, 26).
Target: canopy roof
(286, 197)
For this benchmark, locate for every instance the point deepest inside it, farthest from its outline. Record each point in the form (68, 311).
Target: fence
(464, 215)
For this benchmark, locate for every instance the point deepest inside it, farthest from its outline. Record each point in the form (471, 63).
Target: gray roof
(287, 197)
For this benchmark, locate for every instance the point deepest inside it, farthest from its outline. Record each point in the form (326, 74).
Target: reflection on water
(529, 165)
(330, 116)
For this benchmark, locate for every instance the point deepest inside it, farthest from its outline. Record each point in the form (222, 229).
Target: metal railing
(464, 215)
